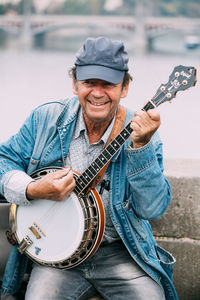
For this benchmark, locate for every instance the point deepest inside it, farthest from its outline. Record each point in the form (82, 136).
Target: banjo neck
(83, 181)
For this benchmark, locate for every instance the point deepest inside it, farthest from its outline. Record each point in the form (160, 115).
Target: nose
(97, 91)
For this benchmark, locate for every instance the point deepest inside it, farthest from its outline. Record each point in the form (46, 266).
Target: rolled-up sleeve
(14, 186)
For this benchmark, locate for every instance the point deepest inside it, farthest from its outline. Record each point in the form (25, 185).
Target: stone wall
(178, 231)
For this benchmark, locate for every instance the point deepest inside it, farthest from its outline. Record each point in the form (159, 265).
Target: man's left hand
(144, 125)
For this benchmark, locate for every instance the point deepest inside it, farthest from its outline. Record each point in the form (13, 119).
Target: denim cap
(102, 58)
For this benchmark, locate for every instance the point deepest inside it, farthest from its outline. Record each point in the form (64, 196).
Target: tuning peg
(184, 82)
(169, 95)
(162, 88)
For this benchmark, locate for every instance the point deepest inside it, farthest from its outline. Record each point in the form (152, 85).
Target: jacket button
(34, 162)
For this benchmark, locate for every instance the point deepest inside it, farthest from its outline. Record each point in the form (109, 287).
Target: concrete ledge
(178, 231)
(187, 266)
(182, 219)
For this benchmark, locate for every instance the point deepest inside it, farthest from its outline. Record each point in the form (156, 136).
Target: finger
(67, 177)
(146, 118)
(70, 187)
(135, 126)
(139, 113)
(61, 173)
(145, 115)
(66, 190)
(154, 114)
(141, 119)
(67, 182)
(134, 135)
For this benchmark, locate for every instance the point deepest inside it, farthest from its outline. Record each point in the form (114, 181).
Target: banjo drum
(59, 234)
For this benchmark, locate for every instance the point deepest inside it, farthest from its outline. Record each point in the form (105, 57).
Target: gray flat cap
(102, 58)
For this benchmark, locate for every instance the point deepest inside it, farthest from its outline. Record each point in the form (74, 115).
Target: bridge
(145, 30)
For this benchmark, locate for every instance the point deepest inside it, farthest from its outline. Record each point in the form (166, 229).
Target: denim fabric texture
(44, 140)
(113, 280)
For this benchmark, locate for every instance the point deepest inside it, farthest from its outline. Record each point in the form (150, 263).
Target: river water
(29, 78)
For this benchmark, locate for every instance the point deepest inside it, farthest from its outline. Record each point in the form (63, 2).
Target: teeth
(97, 104)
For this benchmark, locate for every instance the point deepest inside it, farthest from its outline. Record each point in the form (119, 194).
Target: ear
(74, 87)
(124, 91)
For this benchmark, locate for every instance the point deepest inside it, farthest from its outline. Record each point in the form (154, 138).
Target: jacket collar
(69, 112)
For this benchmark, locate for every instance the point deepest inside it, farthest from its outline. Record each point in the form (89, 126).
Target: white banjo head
(56, 228)
(59, 234)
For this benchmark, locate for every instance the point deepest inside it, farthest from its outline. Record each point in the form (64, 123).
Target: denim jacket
(44, 141)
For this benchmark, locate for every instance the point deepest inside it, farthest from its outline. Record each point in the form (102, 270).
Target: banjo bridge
(35, 232)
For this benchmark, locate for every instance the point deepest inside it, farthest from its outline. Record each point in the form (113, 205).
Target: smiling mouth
(97, 104)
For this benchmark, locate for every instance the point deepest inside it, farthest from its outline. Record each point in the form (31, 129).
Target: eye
(109, 84)
(88, 82)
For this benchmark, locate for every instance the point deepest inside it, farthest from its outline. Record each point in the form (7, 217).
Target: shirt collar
(80, 125)
(81, 128)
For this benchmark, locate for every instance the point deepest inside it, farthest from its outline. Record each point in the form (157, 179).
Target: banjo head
(56, 228)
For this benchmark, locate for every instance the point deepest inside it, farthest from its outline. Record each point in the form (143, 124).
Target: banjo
(64, 234)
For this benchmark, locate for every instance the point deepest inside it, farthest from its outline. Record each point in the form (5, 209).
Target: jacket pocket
(136, 224)
(137, 234)
(166, 260)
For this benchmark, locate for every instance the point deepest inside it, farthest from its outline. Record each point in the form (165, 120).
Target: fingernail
(66, 170)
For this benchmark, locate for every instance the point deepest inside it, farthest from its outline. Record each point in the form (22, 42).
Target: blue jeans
(111, 271)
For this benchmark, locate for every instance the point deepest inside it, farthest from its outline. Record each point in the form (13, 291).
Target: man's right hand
(53, 186)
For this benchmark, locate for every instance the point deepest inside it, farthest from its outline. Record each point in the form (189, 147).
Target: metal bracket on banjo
(25, 243)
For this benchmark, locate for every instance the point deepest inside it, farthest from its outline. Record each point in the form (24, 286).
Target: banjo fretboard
(105, 156)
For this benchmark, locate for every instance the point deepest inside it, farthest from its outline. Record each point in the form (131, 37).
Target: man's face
(99, 99)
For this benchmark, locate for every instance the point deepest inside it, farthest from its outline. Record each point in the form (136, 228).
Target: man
(72, 133)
